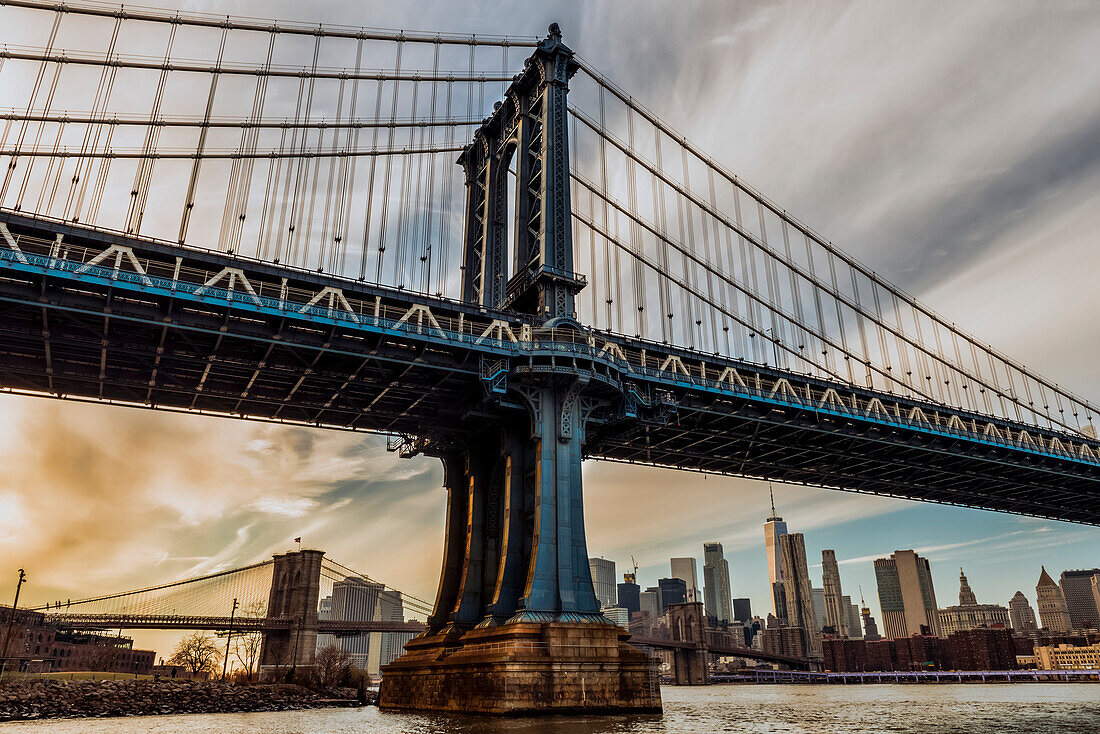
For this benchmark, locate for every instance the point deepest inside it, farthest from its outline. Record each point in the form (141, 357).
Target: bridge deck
(181, 329)
(238, 624)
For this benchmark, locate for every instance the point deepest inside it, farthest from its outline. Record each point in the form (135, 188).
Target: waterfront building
(742, 610)
(906, 595)
(673, 591)
(969, 614)
(799, 597)
(1077, 589)
(1095, 584)
(1053, 611)
(982, 648)
(1021, 614)
(603, 580)
(1067, 657)
(977, 649)
(716, 583)
(836, 613)
(34, 646)
(628, 594)
(774, 529)
(784, 640)
(684, 569)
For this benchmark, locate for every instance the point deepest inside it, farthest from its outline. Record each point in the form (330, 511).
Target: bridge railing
(165, 621)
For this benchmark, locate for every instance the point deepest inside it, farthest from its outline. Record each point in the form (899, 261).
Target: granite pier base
(524, 668)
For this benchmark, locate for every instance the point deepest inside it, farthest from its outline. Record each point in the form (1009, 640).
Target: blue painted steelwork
(213, 295)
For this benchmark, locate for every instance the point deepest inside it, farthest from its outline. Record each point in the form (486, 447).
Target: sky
(953, 147)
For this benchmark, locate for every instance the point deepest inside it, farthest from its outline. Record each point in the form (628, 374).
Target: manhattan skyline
(100, 499)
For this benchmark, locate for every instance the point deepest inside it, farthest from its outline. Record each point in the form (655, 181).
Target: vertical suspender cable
(348, 190)
(372, 169)
(388, 169)
(37, 86)
(189, 201)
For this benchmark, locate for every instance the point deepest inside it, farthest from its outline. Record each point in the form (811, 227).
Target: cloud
(1031, 539)
(953, 147)
(283, 506)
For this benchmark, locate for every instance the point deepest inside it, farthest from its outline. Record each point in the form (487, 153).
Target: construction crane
(632, 578)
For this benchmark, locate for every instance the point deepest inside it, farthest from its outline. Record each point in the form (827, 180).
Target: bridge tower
(516, 625)
(295, 592)
(687, 623)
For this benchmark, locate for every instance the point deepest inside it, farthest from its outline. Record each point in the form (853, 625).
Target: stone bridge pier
(687, 623)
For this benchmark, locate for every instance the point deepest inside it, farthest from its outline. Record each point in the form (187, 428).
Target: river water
(969, 708)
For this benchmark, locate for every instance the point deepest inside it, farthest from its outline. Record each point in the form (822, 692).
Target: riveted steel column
(556, 294)
(559, 584)
(470, 604)
(515, 545)
(454, 545)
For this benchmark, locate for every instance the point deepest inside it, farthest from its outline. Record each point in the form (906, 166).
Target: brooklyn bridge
(486, 250)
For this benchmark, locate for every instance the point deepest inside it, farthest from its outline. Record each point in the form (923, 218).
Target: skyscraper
(603, 580)
(742, 610)
(360, 599)
(966, 594)
(649, 601)
(716, 583)
(906, 594)
(1021, 614)
(836, 613)
(774, 529)
(618, 615)
(1077, 588)
(1053, 611)
(779, 601)
(870, 629)
(684, 569)
(818, 597)
(673, 591)
(854, 629)
(969, 614)
(628, 594)
(796, 583)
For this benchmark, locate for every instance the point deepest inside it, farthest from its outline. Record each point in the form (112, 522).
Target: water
(971, 708)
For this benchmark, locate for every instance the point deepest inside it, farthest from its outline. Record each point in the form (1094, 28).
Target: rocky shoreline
(67, 699)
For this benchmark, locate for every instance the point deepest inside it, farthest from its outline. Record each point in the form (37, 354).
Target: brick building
(982, 649)
(36, 647)
(979, 649)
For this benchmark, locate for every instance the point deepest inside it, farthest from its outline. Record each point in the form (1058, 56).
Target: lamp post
(228, 637)
(775, 345)
(11, 620)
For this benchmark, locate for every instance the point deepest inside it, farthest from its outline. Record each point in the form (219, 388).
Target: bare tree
(246, 646)
(197, 652)
(332, 665)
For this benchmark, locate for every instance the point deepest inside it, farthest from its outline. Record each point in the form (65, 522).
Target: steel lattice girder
(83, 335)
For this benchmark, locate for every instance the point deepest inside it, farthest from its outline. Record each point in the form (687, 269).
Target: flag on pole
(298, 540)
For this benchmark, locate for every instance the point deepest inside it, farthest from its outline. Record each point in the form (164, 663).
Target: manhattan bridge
(484, 249)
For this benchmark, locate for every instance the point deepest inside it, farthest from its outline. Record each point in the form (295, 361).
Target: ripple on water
(1043, 708)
